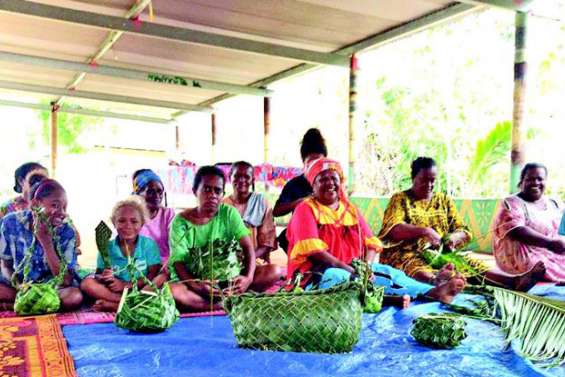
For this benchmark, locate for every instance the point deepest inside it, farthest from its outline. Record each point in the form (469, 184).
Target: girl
(28, 231)
(149, 186)
(107, 285)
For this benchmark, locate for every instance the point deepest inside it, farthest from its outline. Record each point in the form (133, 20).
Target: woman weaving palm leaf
(327, 232)
(211, 247)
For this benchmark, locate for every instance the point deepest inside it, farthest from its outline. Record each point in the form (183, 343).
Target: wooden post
(266, 132)
(517, 154)
(352, 109)
(54, 112)
(177, 138)
(213, 117)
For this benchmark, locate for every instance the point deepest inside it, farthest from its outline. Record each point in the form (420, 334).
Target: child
(107, 285)
(28, 231)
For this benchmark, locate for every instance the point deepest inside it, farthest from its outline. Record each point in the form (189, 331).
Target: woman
(149, 186)
(253, 208)
(525, 230)
(312, 147)
(327, 232)
(106, 287)
(25, 177)
(24, 231)
(195, 235)
(419, 217)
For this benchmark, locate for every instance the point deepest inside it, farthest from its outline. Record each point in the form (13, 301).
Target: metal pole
(266, 127)
(54, 109)
(517, 155)
(352, 108)
(213, 137)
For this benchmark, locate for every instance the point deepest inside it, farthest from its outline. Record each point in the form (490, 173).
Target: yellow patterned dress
(438, 213)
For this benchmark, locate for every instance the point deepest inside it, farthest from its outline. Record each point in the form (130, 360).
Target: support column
(353, 68)
(213, 117)
(177, 138)
(517, 155)
(266, 127)
(54, 112)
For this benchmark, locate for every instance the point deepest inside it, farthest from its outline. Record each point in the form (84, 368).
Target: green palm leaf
(103, 235)
(536, 323)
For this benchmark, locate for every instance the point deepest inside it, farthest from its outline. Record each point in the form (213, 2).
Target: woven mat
(89, 316)
(34, 347)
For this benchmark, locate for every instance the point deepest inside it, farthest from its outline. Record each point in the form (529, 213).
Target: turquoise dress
(145, 255)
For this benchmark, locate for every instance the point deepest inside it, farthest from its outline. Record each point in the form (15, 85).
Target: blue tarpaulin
(205, 346)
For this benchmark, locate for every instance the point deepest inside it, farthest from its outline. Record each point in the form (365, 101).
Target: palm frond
(536, 324)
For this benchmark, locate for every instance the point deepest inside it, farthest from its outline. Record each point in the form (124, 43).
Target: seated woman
(327, 232)
(525, 230)
(312, 147)
(25, 177)
(195, 231)
(50, 240)
(109, 282)
(419, 217)
(149, 186)
(253, 208)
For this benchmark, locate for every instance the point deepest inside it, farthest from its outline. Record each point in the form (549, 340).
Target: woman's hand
(241, 283)
(432, 237)
(557, 245)
(455, 240)
(41, 231)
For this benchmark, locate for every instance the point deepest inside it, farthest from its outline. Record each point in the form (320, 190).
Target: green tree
(69, 129)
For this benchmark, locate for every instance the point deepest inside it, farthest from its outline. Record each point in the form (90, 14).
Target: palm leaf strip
(537, 324)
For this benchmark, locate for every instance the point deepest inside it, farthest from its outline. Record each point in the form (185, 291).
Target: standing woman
(254, 209)
(312, 147)
(24, 232)
(149, 186)
(195, 232)
(526, 228)
(25, 177)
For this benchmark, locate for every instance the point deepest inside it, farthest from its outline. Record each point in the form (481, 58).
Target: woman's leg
(523, 282)
(397, 283)
(265, 276)
(189, 301)
(7, 297)
(71, 298)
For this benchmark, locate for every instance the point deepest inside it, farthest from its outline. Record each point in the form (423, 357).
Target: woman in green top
(210, 246)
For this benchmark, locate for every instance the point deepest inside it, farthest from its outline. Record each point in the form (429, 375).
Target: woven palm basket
(324, 321)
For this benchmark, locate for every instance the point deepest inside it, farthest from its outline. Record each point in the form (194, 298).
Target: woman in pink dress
(526, 229)
(148, 185)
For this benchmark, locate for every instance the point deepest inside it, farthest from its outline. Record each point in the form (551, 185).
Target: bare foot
(105, 306)
(402, 302)
(527, 280)
(447, 291)
(446, 273)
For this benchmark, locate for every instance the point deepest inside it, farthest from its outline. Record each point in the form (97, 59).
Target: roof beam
(374, 41)
(170, 32)
(516, 5)
(102, 96)
(84, 111)
(162, 78)
(108, 43)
